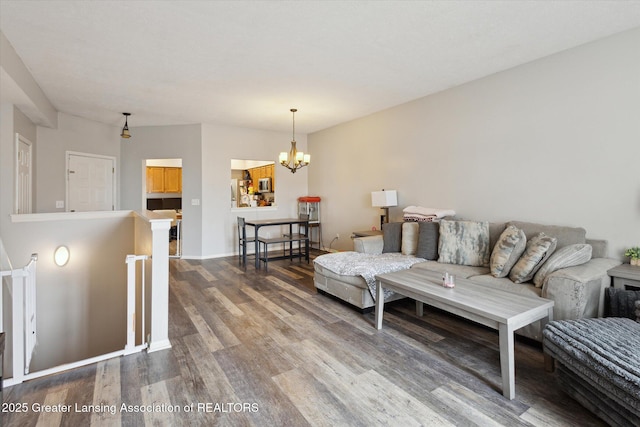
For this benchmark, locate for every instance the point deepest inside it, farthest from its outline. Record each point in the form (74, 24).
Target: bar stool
(242, 241)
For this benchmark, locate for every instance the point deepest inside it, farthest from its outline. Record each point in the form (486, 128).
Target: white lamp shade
(384, 198)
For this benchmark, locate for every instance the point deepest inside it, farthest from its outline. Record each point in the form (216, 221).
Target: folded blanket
(420, 218)
(439, 213)
(367, 266)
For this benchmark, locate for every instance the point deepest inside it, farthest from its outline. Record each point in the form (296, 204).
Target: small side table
(626, 276)
(367, 233)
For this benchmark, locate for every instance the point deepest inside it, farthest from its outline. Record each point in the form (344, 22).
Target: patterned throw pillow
(565, 257)
(507, 251)
(464, 243)
(538, 250)
(409, 238)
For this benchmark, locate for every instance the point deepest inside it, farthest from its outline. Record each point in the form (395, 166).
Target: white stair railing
(22, 289)
(131, 260)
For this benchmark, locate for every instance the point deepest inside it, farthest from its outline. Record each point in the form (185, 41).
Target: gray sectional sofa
(578, 291)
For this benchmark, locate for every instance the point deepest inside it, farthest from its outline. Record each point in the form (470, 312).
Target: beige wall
(220, 144)
(555, 141)
(166, 142)
(72, 134)
(81, 307)
(206, 151)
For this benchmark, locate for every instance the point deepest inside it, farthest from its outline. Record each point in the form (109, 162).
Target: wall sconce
(384, 199)
(61, 255)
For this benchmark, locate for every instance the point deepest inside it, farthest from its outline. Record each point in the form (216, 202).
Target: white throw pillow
(568, 256)
(539, 249)
(409, 238)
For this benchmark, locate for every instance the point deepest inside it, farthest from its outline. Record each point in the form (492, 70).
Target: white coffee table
(501, 310)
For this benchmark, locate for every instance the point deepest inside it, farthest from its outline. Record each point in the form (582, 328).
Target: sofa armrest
(579, 291)
(600, 248)
(368, 245)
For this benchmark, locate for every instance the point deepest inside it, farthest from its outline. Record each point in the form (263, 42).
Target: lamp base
(384, 218)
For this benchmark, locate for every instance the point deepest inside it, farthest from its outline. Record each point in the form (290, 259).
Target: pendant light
(125, 130)
(295, 159)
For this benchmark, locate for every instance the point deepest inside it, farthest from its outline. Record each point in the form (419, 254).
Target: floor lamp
(384, 199)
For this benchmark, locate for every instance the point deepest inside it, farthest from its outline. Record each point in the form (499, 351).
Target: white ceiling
(246, 63)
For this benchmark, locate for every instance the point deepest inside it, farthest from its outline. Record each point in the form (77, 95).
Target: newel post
(160, 285)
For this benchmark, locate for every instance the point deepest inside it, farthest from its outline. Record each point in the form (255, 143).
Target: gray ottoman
(598, 364)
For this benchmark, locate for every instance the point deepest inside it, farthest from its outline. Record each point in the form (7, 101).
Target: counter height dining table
(258, 223)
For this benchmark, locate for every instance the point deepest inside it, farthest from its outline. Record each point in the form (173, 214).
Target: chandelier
(295, 159)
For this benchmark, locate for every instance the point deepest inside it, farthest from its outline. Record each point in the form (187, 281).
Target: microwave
(264, 185)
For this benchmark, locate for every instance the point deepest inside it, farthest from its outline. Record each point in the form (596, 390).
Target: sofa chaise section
(577, 291)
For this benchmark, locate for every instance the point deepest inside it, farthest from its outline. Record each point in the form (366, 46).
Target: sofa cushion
(428, 234)
(565, 235)
(351, 263)
(464, 243)
(505, 284)
(357, 281)
(564, 257)
(507, 251)
(464, 271)
(392, 235)
(539, 248)
(409, 238)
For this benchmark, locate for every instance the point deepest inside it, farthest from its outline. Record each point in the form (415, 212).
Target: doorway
(90, 182)
(24, 175)
(162, 194)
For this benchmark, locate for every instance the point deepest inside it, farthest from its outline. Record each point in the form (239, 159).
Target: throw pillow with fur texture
(507, 251)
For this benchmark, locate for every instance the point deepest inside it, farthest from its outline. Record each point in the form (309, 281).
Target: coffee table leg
(507, 364)
(379, 304)
(419, 308)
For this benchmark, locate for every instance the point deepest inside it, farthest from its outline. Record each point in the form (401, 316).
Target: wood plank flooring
(251, 348)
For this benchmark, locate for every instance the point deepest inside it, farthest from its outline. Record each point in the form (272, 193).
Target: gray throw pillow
(621, 303)
(392, 237)
(428, 234)
(564, 257)
(507, 251)
(464, 243)
(537, 251)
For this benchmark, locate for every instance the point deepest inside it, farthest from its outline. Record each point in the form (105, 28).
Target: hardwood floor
(264, 349)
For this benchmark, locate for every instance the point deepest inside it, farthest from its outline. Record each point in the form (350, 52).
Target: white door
(90, 182)
(23, 177)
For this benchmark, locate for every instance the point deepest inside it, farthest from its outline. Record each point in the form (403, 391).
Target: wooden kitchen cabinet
(173, 180)
(266, 171)
(272, 175)
(155, 179)
(164, 179)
